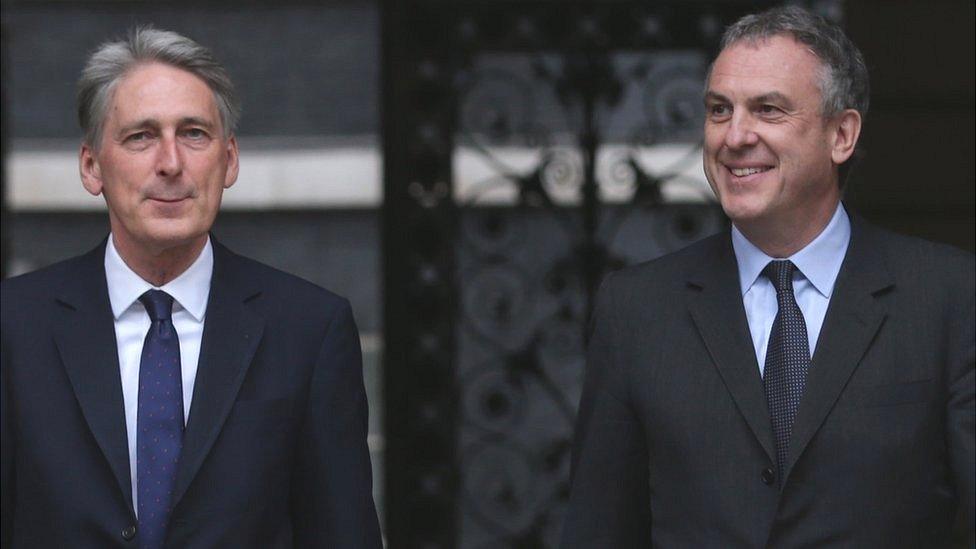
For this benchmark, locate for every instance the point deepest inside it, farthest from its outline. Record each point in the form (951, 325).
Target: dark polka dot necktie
(160, 419)
(787, 360)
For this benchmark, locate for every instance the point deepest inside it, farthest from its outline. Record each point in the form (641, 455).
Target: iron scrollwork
(568, 183)
(541, 151)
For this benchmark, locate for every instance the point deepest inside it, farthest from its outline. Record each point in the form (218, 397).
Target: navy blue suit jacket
(274, 452)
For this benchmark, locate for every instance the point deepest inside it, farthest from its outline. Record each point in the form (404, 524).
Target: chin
(172, 237)
(740, 210)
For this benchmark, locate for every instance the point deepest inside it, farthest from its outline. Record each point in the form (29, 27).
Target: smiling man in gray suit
(162, 391)
(805, 380)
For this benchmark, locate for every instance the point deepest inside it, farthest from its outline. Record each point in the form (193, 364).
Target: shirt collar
(819, 261)
(190, 290)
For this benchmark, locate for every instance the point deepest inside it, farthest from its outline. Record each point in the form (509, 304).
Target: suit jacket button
(128, 533)
(768, 476)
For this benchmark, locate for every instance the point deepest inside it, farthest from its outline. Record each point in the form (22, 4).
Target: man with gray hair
(803, 380)
(162, 391)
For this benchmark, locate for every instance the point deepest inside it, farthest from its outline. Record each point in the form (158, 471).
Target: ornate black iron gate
(529, 148)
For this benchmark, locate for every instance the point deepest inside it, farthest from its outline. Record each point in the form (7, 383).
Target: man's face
(162, 163)
(769, 154)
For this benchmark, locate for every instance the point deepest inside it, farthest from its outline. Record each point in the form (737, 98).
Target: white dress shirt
(817, 264)
(190, 292)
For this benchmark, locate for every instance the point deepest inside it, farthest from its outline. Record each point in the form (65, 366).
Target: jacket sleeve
(332, 501)
(609, 499)
(961, 410)
(7, 453)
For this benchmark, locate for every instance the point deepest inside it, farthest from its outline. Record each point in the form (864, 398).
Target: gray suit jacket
(674, 446)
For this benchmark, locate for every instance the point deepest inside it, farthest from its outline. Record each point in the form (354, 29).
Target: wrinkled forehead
(159, 91)
(779, 61)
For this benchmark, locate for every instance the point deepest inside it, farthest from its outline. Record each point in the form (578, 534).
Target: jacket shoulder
(281, 293)
(670, 269)
(914, 257)
(28, 288)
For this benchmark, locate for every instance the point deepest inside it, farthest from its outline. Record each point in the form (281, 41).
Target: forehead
(161, 92)
(778, 63)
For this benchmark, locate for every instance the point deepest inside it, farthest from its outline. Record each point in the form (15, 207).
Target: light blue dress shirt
(818, 264)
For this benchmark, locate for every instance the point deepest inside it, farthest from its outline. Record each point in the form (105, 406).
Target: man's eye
(195, 133)
(139, 136)
(719, 110)
(769, 109)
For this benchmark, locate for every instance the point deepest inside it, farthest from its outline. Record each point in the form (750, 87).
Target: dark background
(479, 280)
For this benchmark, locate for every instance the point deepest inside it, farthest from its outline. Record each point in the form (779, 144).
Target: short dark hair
(113, 60)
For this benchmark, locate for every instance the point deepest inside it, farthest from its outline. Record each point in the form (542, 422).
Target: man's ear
(233, 162)
(846, 130)
(91, 171)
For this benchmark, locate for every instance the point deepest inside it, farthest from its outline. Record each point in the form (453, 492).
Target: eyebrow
(153, 123)
(194, 121)
(713, 96)
(771, 97)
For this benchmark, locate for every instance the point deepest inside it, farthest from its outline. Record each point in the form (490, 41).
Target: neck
(781, 238)
(158, 266)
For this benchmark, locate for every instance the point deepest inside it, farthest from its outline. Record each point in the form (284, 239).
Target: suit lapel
(715, 305)
(85, 338)
(230, 338)
(853, 318)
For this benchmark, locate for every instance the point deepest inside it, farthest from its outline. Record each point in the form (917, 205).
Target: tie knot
(780, 273)
(159, 304)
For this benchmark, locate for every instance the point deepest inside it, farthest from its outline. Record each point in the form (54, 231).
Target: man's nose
(741, 131)
(169, 160)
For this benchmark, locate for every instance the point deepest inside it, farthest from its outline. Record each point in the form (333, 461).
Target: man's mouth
(742, 172)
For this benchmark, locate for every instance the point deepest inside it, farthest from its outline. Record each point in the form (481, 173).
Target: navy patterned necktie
(159, 438)
(787, 360)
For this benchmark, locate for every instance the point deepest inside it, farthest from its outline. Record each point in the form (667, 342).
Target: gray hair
(844, 81)
(111, 61)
